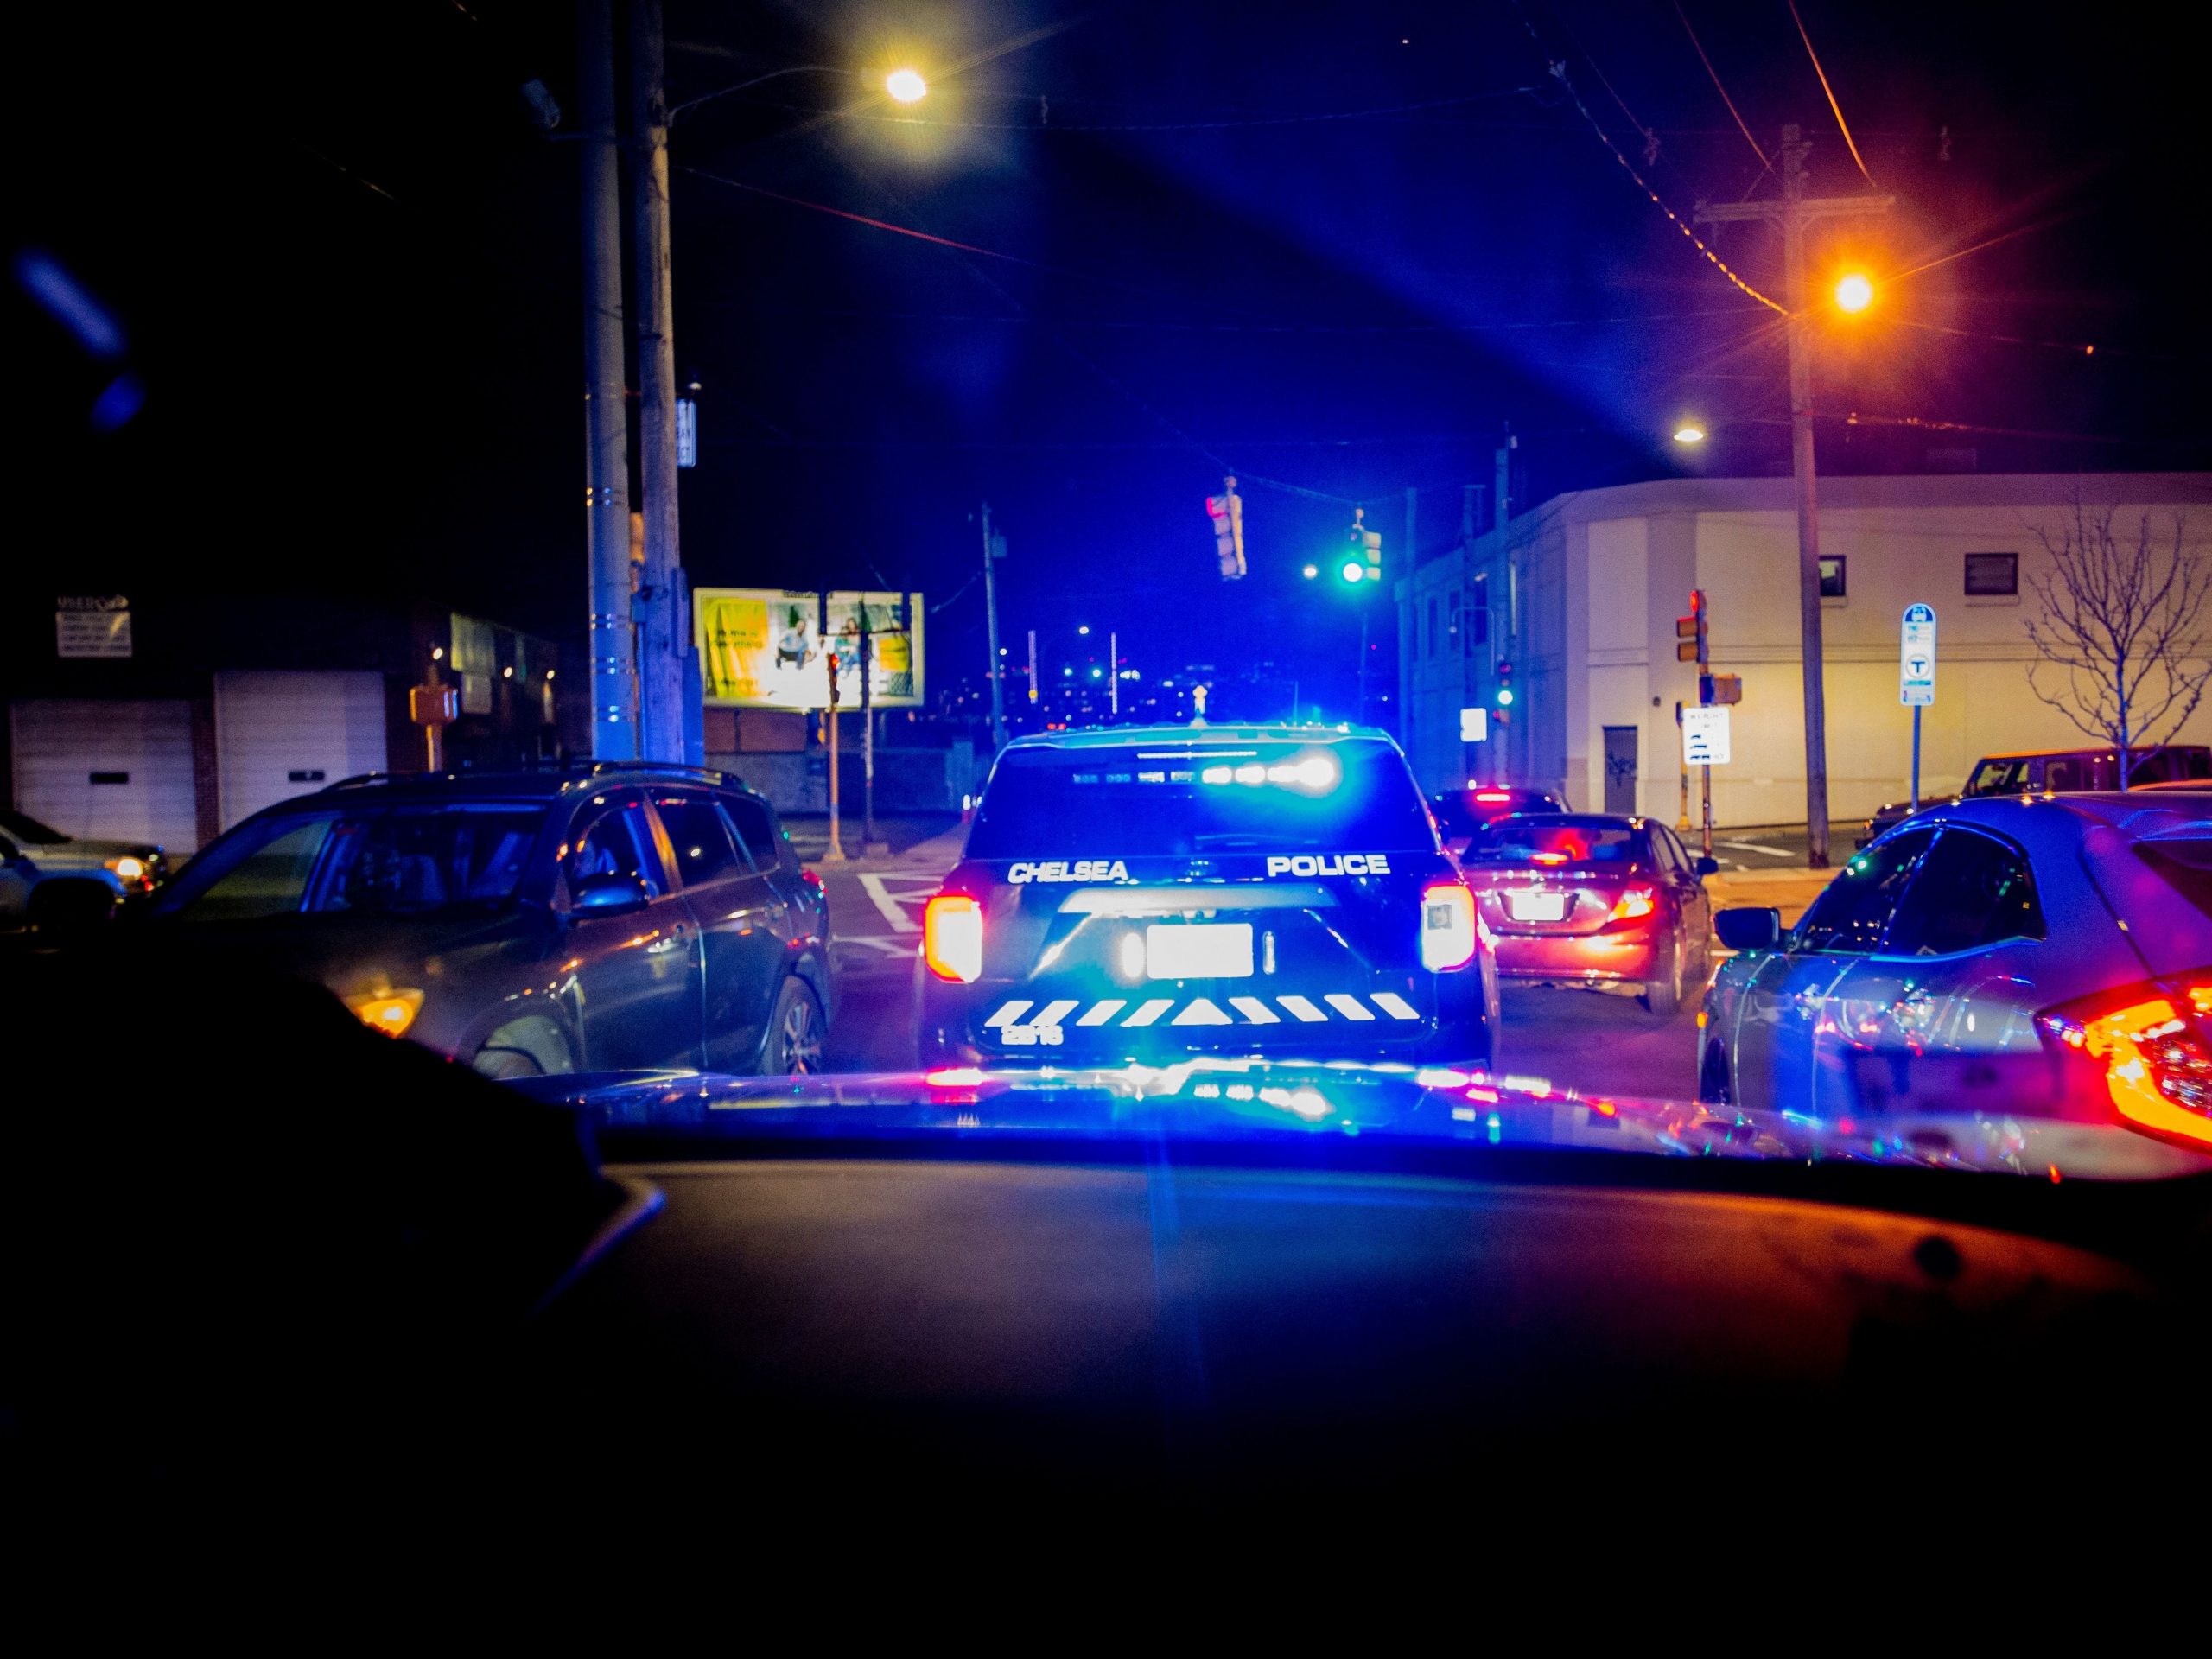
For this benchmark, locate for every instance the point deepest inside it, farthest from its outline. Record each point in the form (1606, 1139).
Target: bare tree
(2120, 623)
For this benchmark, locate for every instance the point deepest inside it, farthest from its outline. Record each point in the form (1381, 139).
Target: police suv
(1143, 894)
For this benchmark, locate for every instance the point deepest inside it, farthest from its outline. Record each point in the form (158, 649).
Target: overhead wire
(1841, 126)
(1742, 126)
(1559, 73)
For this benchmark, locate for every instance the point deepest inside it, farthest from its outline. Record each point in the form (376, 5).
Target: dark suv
(617, 918)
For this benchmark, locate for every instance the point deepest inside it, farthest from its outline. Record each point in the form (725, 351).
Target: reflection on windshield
(1514, 841)
(401, 860)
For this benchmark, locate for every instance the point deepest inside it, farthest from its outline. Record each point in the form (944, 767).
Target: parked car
(2018, 958)
(1593, 901)
(1461, 813)
(526, 924)
(48, 878)
(2056, 771)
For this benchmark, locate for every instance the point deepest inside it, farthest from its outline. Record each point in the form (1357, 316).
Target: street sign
(1705, 736)
(95, 625)
(1916, 658)
(687, 433)
(1474, 725)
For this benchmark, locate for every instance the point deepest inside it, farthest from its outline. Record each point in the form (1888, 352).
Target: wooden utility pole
(663, 635)
(606, 422)
(1792, 214)
(993, 550)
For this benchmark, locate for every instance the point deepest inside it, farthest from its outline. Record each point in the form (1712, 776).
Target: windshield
(28, 830)
(1171, 800)
(1557, 841)
(1999, 778)
(398, 859)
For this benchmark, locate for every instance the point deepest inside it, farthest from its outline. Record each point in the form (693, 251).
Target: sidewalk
(937, 852)
(1789, 891)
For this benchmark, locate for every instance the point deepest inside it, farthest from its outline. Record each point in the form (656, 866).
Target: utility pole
(662, 656)
(867, 733)
(1792, 214)
(993, 550)
(834, 853)
(606, 427)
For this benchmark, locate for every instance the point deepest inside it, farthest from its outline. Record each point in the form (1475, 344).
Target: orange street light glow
(1688, 434)
(906, 85)
(1854, 292)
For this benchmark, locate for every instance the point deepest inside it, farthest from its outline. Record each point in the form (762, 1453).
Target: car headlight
(130, 870)
(389, 1012)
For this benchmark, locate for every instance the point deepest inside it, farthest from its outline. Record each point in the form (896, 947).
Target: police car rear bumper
(1424, 1017)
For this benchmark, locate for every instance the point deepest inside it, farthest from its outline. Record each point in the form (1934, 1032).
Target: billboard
(765, 648)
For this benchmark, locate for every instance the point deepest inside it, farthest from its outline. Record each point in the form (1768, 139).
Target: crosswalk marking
(1351, 1007)
(1149, 1012)
(1396, 1006)
(1099, 1013)
(1254, 1010)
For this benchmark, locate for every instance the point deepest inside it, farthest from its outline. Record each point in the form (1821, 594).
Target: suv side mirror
(1749, 928)
(1708, 865)
(614, 894)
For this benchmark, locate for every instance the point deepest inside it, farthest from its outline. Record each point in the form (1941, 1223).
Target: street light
(906, 85)
(903, 85)
(1312, 571)
(1854, 292)
(1689, 433)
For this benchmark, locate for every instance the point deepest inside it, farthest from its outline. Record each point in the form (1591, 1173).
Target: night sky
(1335, 248)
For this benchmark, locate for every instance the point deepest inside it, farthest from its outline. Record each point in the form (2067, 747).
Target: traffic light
(1227, 512)
(1689, 631)
(1502, 697)
(1366, 548)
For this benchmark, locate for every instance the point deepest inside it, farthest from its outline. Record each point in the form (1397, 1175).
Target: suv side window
(703, 850)
(756, 832)
(1853, 912)
(1972, 891)
(619, 842)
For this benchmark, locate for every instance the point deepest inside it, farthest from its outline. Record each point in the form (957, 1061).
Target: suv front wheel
(796, 1034)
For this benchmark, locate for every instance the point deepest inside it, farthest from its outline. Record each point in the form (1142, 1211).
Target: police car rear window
(1169, 800)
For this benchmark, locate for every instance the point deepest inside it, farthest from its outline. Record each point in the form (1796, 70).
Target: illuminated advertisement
(765, 648)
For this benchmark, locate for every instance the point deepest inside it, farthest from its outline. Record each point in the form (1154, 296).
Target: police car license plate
(1537, 906)
(1198, 950)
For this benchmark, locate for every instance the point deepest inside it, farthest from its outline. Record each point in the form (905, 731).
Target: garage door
(110, 770)
(278, 735)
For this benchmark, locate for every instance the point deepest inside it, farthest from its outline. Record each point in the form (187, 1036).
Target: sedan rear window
(1536, 841)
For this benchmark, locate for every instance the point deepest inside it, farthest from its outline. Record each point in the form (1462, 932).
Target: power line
(1830, 90)
(1383, 113)
(1559, 73)
(1764, 164)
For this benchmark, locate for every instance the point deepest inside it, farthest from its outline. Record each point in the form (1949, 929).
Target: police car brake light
(952, 938)
(1448, 926)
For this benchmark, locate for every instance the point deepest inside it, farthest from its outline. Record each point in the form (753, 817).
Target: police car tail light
(1448, 926)
(2149, 1048)
(1636, 901)
(952, 938)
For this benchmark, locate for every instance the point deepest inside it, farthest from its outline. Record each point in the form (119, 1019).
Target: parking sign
(1916, 658)
(1705, 736)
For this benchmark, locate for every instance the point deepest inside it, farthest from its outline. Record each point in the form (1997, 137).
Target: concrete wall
(907, 780)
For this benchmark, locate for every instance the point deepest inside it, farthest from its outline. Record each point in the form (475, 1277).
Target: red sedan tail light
(952, 938)
(2149, 1048)
(1632, 903)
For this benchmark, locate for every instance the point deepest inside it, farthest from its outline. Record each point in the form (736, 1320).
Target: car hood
(87, 855)
(1217, 1099)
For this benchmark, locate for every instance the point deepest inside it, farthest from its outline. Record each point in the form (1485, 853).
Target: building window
(1475, 630)
(1992, 574)
(1832, 578)
(1435, 635)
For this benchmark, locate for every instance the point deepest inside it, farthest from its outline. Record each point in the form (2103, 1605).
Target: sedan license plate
(1536, 906)
(1198, 950)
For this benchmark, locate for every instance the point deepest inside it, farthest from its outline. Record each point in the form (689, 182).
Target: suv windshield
(395, 860)
(1164, 800)
(28, 830)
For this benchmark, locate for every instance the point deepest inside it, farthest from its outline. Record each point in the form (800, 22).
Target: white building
(1580, 597)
